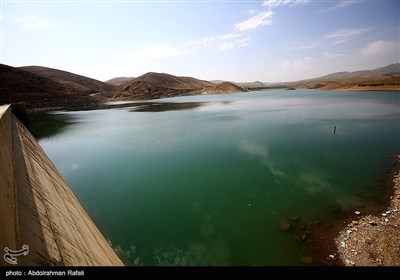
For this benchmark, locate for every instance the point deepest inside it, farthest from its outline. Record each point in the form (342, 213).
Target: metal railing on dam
(42, 221)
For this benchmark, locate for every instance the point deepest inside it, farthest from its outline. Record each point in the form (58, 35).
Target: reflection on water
(208, 180)
(165, 106)
(45, 124)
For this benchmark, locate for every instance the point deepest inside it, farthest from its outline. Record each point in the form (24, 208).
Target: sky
(266, 40)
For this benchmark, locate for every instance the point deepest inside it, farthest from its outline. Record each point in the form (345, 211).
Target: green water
(206, 180)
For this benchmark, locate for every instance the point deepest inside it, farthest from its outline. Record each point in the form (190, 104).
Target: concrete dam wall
(38, 208)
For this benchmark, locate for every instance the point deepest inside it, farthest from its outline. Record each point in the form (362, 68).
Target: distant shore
(360, 82)
(371, 88)
(351, 88)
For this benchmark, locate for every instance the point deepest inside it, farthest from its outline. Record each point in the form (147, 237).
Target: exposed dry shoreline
(369, 239)
(373, 240)
(368, 236)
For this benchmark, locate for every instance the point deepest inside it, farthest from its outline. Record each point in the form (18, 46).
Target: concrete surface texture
(38, 209)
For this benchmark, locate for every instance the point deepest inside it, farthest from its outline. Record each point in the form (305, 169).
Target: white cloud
(333, 38)
(380, 47)
(227, 41)
(233, 45)
(263, 18)
(232, 35)
(226, 46)
(295, 69)
(341, 4)
(344, 35)
(296, 63)
(347, 3)
(202, 42)
(306, 47)
(333, 54)
(251, 11)
(277, 3)
(34, 22)
(156, 52)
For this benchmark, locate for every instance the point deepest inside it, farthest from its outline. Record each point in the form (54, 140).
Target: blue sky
(269, 41)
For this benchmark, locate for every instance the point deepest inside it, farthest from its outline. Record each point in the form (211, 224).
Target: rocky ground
(372, 240)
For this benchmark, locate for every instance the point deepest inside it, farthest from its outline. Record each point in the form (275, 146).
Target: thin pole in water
(334, 130)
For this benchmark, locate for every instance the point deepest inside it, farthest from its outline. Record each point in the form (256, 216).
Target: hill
(392, 69)
(73, 82)
(37, 91)
(246, 85)
(225, 87)
(251, 85)
(173, 82)
(119, 80)
(42, 87)
(18, 85)
(157, 85)
(216, 82)
(383, 78)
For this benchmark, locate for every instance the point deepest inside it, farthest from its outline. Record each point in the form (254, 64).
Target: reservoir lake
(222, 179)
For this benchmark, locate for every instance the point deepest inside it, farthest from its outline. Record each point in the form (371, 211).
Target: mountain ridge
(153, 85)
(225, 87)
(117, 81)
(382, 78)
(73, 82)
(43, 87)
(393, 68)
(246, 85)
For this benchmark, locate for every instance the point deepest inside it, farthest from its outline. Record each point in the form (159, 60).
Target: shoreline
(100, 104)
(355, 88)
(343, 222)
(373, 240)
(371, 88)
(368, 236)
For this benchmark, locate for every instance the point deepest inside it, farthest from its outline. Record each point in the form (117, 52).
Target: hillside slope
(391, 69)
(383, 78)
(37, 91)
(18, 85)
(225, 87)
(156, 85)
(164, 80)
(119, 80)
(72, 82)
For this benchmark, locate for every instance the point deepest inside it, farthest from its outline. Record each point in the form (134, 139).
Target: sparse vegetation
(42, 87)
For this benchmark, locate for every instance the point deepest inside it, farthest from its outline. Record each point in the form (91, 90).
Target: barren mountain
(392, 69)
(18, 85)
(42, 87)
(37, 91)
(140, 90)
(250, 85)
(73, 82)
(156, 85)
(246, 85)
(169, 81)
(119, 80)
(225, 87)
(384, 78)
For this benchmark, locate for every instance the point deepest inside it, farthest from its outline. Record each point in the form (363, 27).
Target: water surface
(207, 180)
